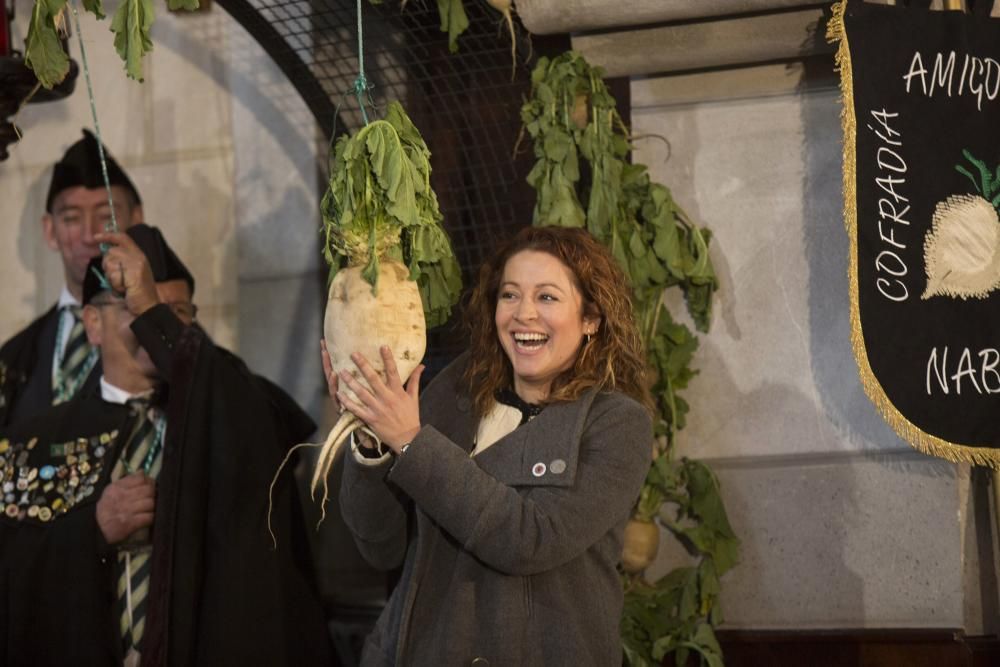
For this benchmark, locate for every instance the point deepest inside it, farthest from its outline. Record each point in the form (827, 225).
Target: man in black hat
(136, 521)
(50, 360)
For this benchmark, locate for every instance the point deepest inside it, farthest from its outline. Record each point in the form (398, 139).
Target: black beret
(81, 165)
(162, 260)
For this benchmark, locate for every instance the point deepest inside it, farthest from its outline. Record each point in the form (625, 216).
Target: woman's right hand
(332, 383)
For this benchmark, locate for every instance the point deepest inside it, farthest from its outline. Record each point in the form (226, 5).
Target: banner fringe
(907, 430)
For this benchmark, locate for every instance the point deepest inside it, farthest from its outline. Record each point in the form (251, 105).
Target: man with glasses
(50, 360)
(136, 526)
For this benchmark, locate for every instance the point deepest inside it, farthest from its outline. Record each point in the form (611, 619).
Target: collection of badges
(69, 475)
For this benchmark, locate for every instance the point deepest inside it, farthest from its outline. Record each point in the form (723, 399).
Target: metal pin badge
(538, 469)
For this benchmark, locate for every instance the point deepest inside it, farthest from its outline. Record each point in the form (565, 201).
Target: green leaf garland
(583, 178)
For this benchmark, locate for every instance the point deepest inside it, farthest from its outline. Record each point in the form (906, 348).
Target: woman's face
(540, 321)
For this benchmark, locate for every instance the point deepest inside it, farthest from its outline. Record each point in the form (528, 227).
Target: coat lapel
(543, 452)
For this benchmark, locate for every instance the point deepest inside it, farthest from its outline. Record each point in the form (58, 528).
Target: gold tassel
(920, 440)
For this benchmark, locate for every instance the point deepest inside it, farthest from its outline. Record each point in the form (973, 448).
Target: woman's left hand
(390, 410)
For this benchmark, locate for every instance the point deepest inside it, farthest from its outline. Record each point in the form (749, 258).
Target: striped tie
(143, 451)
(77, 358)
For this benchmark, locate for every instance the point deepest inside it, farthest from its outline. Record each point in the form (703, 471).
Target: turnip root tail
(334, 442)
(506, 8)
(346, 425)
(274, 480)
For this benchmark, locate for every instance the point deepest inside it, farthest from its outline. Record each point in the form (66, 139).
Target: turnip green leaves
(131, 24)
(380, 204)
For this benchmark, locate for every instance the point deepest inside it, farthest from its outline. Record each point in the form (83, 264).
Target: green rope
(112, 225)
(361, 83)
(362, 90)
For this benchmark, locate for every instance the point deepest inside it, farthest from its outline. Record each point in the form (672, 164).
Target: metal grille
(466, 104)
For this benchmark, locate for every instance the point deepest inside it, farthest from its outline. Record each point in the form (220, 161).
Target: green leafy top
(988, 183)
(675, 614)
(131, 24)
(453, 21)
(380, 205)
(572, 120)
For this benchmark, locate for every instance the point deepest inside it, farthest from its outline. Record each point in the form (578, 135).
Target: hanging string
(112, 225)
(361, 89)
(361, 83)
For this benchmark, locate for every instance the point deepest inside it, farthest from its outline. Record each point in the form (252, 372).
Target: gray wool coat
(509, 557)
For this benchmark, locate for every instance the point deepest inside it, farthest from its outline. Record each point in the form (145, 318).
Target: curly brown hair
(614, 359)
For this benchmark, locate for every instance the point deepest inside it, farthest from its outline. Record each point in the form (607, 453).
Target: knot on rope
(361, 89)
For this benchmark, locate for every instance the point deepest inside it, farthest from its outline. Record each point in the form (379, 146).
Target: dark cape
(220, 594)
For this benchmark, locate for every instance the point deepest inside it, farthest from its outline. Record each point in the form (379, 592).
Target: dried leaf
(43, 51)
(131, 24)
(453, 21)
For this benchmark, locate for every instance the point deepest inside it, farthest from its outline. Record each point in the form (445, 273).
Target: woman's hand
(390, 410)
(332, 386)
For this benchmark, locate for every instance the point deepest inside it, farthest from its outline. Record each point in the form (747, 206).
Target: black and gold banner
(921, 119)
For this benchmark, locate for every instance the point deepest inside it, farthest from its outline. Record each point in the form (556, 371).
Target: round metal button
(537, 470)
(480, 662)
(558, 467)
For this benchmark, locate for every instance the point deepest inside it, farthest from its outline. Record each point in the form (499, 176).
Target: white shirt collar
(113, 394)
(66, 298)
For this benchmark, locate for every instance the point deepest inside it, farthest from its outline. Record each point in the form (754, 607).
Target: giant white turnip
(359, 320)
(392, 269)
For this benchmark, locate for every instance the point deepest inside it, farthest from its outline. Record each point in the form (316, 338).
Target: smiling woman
(518, 467)
(540, 321)
(563, 284)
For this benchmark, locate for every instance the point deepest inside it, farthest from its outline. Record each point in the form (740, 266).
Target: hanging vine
(583, 178)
